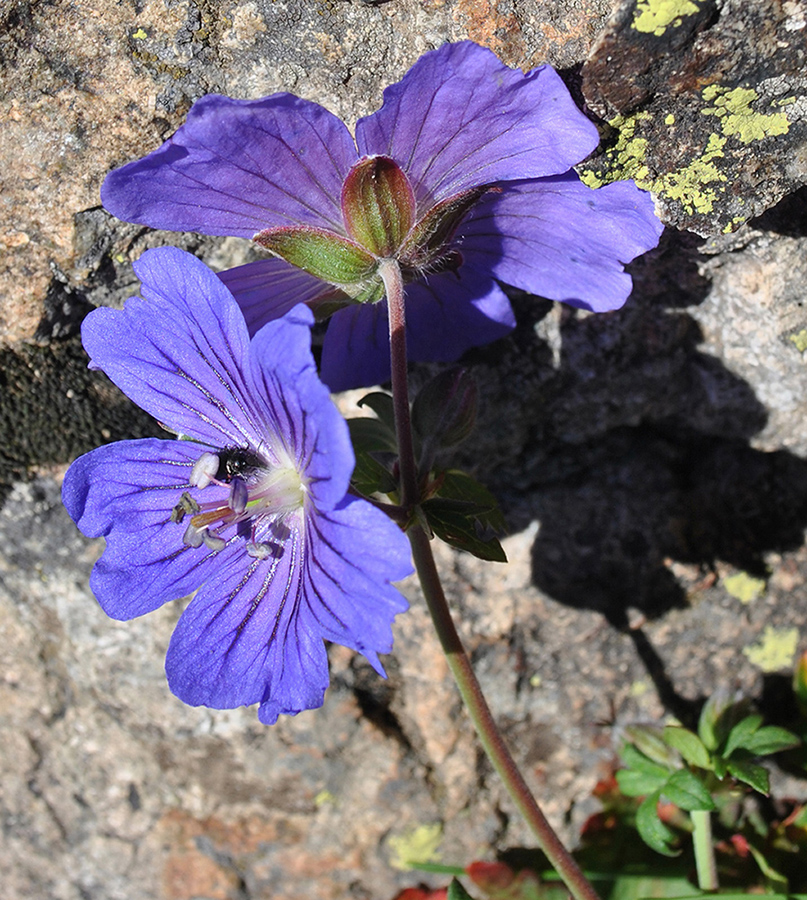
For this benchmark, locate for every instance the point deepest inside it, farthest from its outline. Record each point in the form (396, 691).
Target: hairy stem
(704, 850)
(478, 709)
(390, 273)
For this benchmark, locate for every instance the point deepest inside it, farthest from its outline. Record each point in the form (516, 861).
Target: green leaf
(719, 715)
(652, 830)
(750, 773)
(771, 739)
(687, 791)
(371, 436)
(642, 887)
(381, 404)
(689, 745)
(741, 732)
(461, 529)
(323, 254)
(800, 682)
(378, 204)
(635, 759)
(735, 896)
(457, 892)
(649, 740)
(779, 880)
(638, 784)
(371, 477)
(465, 514)
(457, 485)
(444, 410)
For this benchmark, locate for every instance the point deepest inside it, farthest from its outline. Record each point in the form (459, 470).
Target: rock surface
(644, 459)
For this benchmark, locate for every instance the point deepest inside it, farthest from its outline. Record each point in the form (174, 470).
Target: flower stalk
(704, 850)
(460, 665)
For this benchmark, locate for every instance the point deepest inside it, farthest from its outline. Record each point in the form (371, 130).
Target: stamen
(204, 470)
(185, 506)
(213, 542)
(260, 551)
(239, 495)
(193, 536)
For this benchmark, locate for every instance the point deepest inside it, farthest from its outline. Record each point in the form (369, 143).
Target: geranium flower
(251, 507)
(464, 175)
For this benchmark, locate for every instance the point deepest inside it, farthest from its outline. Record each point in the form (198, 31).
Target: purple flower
(464, 175)
(250, 507)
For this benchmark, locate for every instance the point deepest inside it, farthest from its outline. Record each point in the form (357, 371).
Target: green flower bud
(378, 205)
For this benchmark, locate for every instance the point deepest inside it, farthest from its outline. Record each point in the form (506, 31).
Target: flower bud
(378, 205)
(444, 411)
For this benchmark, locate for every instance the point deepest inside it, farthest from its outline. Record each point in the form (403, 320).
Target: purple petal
(562, 240)
(445, 315)
(298, 406)
(237, 167)
(448, 313)
(256, 634)
(269, 288)
(125, 492)
(355, 352)
(178, 352)
(461, 118)
(354, 552)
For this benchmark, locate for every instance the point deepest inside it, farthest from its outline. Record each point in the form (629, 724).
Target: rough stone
(706, 105)
(642, 458)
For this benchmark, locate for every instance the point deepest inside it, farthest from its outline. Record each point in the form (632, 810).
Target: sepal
(424, 248)
(321, 253)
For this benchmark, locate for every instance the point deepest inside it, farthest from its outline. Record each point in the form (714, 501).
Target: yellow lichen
(800, 340)
(669, 119)
(686, 185)
(419, 845)
(324, 798)
(139, 35)
(744, 587)
(654, 16)
(695, 186)
(737, 118)
(625, 158)
(775, 650)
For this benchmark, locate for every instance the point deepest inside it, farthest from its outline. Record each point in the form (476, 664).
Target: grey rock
(641, 457)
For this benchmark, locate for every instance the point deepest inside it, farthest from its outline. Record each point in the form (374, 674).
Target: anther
(187, 505)
(204, 470)
(239, 495)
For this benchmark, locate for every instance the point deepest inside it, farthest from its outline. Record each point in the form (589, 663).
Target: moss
(737, 118)
(655, 16)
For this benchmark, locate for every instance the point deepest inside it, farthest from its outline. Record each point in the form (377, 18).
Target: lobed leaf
(689, 745)
(639, 784)
(750, 773)
(652, 830)
(687, 791)
(457, 892)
